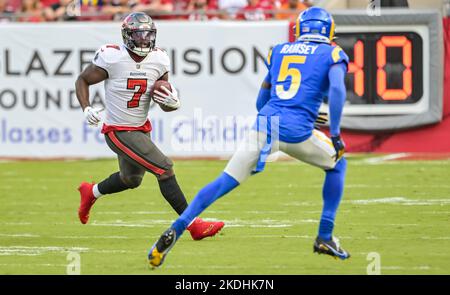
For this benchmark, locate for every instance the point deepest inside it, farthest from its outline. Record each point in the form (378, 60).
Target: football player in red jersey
(129, 72)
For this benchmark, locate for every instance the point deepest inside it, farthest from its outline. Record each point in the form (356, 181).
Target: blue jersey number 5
(287, 71)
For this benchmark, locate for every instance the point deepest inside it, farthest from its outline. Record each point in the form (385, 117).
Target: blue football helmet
(315, 24)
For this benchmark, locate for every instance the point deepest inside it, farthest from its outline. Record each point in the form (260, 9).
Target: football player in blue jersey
(301, 74)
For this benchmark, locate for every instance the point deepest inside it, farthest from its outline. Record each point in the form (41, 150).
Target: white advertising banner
(216, 66)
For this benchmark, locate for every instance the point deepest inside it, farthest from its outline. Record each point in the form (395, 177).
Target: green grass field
(400, 210)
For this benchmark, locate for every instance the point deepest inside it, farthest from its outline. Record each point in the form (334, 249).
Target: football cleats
(161, 248)
(139, 33)
(200, 229)
(315, 24)
(87, 200)
(332, 248)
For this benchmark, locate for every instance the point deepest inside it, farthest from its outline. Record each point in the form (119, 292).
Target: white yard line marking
(121, 224)
(220, 266)
(256, 212)
(282, 236)
(394, 200)
(435, 212)
(135, 223)
(91, 237)
(33, 251)
(114, 251)
(265, 226)
(379, 160)
(400, 201)
(32, 264)
(133, 212)
(265, 212)
(25, 235)
(344, 237)
(394, 267)
(20, 235)
(302, 204)
(370, 186)
(265, 223)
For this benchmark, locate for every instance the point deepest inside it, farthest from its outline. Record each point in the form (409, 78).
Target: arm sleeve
(264, 94)
(336, 96)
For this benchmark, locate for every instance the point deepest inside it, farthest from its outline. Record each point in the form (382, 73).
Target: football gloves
(338, 143)
(322, 120)
(169, 98)
(92, 115)
(339, 146)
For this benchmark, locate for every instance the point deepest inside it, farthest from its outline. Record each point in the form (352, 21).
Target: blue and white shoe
(331, 248)
(161, 248)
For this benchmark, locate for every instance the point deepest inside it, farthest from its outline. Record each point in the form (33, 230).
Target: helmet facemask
(140, 42)
(139, 33)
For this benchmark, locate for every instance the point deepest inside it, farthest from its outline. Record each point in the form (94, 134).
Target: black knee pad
(169, 164)
(132, 181)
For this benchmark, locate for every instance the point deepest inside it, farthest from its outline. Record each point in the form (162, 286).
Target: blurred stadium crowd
(197, 10)
(104, 10)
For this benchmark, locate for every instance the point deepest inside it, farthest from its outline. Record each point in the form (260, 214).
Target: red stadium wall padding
(430, 139)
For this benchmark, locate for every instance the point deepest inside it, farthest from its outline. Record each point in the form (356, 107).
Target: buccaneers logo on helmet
(139, 33)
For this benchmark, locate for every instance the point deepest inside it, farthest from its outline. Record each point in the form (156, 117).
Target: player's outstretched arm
(336, 100)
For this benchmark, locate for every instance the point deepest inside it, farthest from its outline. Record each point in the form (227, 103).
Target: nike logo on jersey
(299, 48)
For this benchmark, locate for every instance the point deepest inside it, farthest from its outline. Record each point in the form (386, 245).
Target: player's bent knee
(132, 181)
(329, 166)
(340, 166)
(326, 164)
(167, 174)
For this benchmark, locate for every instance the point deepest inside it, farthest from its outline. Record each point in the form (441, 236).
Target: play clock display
(394, 78)
(384, 68)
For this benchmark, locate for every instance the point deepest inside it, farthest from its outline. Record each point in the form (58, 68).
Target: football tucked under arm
(322, 120)
(165, 95)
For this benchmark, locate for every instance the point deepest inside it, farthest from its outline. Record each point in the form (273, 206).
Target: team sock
(96, 192)
(172, 193)
(112, 184)
(205, 197)
(333, 189)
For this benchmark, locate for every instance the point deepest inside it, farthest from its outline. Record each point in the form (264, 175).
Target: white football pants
(317, 150)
